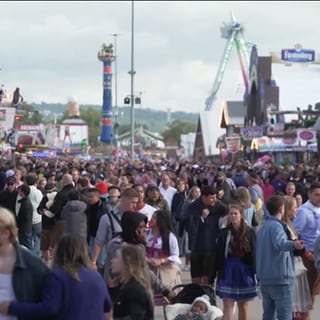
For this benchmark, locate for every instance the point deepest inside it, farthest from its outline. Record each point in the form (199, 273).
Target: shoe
(186, 268)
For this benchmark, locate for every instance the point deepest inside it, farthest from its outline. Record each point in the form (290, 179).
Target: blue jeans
(36, 238)
(25, 239)
(277, 299)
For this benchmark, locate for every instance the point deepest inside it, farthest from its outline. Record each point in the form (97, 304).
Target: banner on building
(233, 144)
(296, 55)
(250, 133)
(266, 144)
(307, 135)
(7, 118)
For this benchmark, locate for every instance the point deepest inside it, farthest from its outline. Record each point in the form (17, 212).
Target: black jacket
(47, 223)
(177, 204)
(8, 199)
(134, 302)
(223, 240)
(60, 200)
(208, 229)
(24, 216)
(94, 213)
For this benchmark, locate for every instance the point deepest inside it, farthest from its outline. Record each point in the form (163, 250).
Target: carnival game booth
(290, 150)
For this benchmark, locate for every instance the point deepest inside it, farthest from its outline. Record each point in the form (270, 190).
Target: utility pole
(116, 111)
(132, 73)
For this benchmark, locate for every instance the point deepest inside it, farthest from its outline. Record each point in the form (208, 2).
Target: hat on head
(9, 173)
(112, 186)
(103, 189)
(205, 299)
(221, 174)
(152, 187)
(11, 179)
(49, 187)
(67, 179)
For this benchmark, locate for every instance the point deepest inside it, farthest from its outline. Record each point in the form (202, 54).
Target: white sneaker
(186, 268)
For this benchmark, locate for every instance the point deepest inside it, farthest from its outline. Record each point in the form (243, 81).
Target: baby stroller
(186, 295)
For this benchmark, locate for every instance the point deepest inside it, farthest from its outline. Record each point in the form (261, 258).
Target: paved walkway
(255, 306)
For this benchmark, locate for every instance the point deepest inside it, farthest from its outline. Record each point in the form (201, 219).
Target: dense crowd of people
(105, 240)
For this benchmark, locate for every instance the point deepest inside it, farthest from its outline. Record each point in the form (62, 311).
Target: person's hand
(155, 262)
(190, 314)
(94, 265)
(4, 307)
(298, 244)
(171, 295)
(205, 213)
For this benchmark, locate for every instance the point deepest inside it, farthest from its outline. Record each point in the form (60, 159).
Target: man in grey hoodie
(74, 216)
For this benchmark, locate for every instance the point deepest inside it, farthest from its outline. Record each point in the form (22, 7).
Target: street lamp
(132, 73)
(116, 124)
(136, 99)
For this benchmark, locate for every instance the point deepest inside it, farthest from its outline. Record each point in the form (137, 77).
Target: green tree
(29, 115)
(177, 128)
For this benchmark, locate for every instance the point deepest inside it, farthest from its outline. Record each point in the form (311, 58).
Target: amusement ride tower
(106, 56)
(233, 32)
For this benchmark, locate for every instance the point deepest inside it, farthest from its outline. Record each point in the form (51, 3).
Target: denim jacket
(29, 273)
(274, 254)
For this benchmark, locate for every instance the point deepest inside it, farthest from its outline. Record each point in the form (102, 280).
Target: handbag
(299, 267)
(169, 274)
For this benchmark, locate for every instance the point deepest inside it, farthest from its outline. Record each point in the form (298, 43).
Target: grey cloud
(50, 47)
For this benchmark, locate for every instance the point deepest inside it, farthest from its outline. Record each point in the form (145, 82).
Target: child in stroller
(184, 301)
(198, 311)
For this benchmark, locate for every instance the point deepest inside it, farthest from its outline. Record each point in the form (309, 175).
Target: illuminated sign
(298, 54)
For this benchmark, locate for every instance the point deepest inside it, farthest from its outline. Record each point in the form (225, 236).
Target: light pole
(116, 124)
(132, 73)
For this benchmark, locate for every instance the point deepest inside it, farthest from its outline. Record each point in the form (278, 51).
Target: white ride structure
(233, 32)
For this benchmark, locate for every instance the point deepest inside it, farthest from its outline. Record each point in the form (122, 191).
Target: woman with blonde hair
(302, 302)
(22, 274)
(72, 290)
(134, 300)
(243, 196)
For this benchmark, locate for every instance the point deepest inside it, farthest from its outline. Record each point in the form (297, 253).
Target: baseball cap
(103, 189)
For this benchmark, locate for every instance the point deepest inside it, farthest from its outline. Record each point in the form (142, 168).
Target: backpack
(111, 216)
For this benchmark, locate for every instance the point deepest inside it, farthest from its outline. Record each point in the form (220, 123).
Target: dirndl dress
(239, 283)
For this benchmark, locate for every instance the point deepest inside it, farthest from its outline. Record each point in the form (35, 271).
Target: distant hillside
(154, 119)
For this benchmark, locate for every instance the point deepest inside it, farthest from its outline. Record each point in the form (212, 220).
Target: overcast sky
(49, 49)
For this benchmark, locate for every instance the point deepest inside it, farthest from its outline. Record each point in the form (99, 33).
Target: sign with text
(252, 132)
(233, 144)
(277, 144)
(295, 55)
(306, 135)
